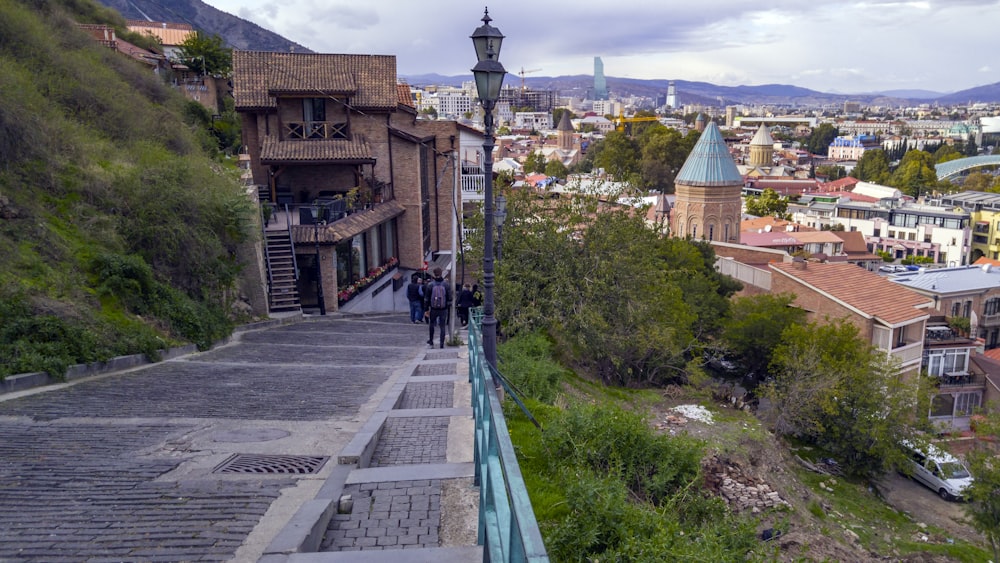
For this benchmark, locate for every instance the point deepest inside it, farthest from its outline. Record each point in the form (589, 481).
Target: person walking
(414, 294)
(437, 298)
(465, 300)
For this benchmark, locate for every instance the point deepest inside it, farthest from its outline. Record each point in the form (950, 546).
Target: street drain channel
(253, 463)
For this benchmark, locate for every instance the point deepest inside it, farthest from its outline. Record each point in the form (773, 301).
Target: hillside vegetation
(118, 229)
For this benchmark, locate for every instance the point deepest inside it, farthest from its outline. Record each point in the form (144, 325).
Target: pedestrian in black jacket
(437, 298)
(414, 293)
(465, 300)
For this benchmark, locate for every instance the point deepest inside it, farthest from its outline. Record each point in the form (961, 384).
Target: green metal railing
(508, 530)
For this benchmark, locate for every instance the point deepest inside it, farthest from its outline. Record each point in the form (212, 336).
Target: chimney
(799, 263)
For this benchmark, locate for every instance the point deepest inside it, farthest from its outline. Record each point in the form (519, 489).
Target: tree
(629, 318)
(971, 149)
(873, 166)
(556, 169)
(836, 391)
(767, 204)
(663, 153)
(832, 172)
(915, 174)
(430, 111)
(619, 156)
(534, 163)
(557, 115)
(206, 54)
(821, 137)
(945, 152)
(983, 494)
(754, 328)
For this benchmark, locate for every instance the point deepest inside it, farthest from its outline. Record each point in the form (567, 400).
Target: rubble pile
(742, 492)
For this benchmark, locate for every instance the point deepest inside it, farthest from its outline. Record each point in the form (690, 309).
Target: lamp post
(501, 215)
(489, 74)
(316, 214)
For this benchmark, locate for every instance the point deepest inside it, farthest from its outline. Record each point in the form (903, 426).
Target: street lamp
(317, 213)
(489, 74)
(500, 215)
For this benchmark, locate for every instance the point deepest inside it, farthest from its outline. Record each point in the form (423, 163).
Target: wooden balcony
(304, 130)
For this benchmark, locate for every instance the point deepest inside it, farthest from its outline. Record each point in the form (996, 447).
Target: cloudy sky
(848, 46)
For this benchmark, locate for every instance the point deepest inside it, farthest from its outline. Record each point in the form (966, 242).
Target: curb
(25, 381)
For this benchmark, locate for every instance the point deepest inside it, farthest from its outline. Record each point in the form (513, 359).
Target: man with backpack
(437, 298)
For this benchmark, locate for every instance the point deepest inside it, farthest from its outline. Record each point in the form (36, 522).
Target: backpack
(439, 296)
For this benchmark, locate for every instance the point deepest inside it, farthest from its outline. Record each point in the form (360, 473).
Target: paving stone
(408, 529)
(94, 488)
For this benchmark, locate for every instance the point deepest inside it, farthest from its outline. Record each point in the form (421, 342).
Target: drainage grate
(252, 463)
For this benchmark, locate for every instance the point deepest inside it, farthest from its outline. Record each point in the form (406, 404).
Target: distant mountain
(911, 94)
(236, 32)
(705, 93)
(987, 93)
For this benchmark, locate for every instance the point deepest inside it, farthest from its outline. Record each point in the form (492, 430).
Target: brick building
(338, 132)
(891, 317)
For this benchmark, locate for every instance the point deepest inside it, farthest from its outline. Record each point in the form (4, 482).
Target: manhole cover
(252, 463)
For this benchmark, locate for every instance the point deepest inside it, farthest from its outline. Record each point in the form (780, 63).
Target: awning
(351, 226)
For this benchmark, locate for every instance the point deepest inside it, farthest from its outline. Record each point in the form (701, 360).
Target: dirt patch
(755, 473)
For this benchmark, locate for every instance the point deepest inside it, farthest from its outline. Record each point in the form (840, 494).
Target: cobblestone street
(120, 467)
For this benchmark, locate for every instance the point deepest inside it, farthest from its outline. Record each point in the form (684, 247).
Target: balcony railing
(315, 130)
(909, 353)
(952, 380)
(990, 320)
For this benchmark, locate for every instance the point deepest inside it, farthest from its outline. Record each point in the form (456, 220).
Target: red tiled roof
(315, 151)
(984, 260)
(405, 99)
(841, 185)
(776, 224)
(859, 289)
(369, 81)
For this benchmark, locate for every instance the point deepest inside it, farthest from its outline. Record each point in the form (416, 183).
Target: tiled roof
(761, 223)
(405, 99)
(859, 289)
(315, 151)
(167, 33)
(709, 163)
(351, 226)
(842, 184)
(369, 81)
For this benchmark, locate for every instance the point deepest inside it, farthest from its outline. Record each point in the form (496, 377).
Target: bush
(607, 439)
(526, 362)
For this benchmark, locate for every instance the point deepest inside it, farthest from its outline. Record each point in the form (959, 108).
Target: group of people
(430, 301)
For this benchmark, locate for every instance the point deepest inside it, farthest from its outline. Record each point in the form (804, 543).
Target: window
(992, 306)
(940, 362)
(967, 309)
(314, 109)
(912, 236)
(942, 405)
(965, 403)
(955, 308)
(711, 232)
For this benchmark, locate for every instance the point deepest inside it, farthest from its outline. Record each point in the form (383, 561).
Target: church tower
(762, 148)
(565, 129)
(708, 204)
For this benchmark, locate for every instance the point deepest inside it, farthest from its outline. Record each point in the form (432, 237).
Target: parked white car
(939, 470)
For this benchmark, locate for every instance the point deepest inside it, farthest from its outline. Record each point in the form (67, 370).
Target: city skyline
(847, 48)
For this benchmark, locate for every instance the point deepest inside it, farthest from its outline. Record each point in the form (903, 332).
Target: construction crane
(523, 72)
(621, 121)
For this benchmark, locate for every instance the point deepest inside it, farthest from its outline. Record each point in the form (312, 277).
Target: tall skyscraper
(600, 83)
(671, 95)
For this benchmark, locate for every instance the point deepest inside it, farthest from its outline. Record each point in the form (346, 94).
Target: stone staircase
(284, 293)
